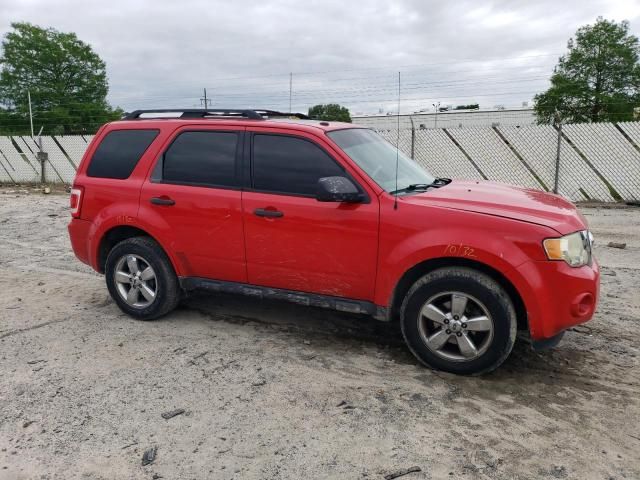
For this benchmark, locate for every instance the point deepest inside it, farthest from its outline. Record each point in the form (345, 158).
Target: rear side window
(119, 153)
(206, 158)
(290, 165)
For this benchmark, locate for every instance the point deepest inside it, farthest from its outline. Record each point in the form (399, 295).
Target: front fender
(499, 249)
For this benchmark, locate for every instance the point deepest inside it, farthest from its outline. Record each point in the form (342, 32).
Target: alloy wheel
(135, 281)
(455, 326)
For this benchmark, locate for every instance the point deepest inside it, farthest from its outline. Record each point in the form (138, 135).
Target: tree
(67, 81)
(331, 112)
(597, 80)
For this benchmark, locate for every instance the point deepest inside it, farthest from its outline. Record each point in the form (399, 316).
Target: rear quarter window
(119, 153)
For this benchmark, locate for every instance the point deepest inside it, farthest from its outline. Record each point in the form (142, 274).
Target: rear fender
(119, 215)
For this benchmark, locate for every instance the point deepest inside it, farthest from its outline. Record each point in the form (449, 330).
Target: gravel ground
(273, 390)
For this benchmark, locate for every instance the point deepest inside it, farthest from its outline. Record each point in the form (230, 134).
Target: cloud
(162, 54)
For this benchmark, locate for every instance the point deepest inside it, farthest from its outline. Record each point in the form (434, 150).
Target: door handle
(163, 201)
(262, 212)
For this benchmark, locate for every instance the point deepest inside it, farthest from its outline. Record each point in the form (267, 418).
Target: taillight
(75, 201)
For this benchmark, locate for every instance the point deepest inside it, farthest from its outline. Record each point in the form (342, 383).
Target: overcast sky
(163, 53)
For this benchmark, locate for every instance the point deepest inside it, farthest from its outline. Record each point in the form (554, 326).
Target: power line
(443, 83)
(401, 67)
(281, 85)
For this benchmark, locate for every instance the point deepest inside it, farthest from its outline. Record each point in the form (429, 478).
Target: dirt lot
(276, 391)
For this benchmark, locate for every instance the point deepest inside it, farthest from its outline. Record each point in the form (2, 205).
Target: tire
(121, 277)
(469, 313)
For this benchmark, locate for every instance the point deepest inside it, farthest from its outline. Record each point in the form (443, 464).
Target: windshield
(377, 158)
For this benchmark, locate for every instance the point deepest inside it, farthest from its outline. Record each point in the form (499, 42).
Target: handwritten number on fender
(459, 250)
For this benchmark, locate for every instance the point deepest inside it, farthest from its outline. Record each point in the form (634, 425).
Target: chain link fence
(583, 162)
(598, 161)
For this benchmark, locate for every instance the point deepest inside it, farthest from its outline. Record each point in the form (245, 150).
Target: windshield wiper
(413, 187)
(438, 182)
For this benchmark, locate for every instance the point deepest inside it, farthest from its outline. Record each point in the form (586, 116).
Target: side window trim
(249, 174)
(157, 172)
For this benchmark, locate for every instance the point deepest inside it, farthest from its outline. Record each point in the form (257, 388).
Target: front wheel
(141, 279)
(459, 320)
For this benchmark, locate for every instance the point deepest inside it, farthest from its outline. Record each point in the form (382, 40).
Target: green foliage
(331, 112)
(12, 123)
(597, 80)
(66, 78)
(471, 106)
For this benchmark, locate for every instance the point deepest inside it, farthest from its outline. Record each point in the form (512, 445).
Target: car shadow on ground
(338, 331)
(301, 321)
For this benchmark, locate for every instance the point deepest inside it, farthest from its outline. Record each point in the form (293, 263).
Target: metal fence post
(413, 138)
(42, 156)
(557, 173)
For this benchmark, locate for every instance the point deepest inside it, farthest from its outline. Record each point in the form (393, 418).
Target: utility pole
(290, 89)
(436, 107)
(41, 155)
(204, 100)
(30, 113)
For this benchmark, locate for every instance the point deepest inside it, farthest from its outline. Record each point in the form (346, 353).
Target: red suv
(329, 215)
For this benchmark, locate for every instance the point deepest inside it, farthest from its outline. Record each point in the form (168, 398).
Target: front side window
(290, 165)
(119, 153)
(205, 158)
(378, 159)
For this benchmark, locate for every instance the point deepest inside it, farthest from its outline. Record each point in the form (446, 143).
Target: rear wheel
(141, 279)
(459, 320)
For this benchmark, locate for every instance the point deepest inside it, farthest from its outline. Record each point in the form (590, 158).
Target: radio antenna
(395, 203)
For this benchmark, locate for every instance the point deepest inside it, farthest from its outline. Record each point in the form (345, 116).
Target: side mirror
(337, 189)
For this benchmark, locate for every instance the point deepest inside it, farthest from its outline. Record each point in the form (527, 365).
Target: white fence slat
(438, 154)
(62, 165)
(537, 144)
(20, 168)
(610, 153)
(493, 157)
(632, 129)
(74, 145)
(616, 156)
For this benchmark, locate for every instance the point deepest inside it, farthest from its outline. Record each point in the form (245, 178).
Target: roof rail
(212, 113)
(274, 113)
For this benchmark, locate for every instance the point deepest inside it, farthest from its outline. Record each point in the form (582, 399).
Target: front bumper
(558, 296)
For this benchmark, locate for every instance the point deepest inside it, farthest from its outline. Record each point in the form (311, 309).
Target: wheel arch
(419, 270)
(115, 235)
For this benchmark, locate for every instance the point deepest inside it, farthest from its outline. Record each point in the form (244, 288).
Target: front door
(195, 193)
(295, 242)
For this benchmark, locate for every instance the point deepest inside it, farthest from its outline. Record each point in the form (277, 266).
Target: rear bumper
(559, 296)
(79, 236)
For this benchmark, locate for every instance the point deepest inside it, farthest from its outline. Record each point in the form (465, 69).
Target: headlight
(575, 248)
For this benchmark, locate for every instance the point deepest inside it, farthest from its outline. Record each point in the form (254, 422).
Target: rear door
(295, 242)
(194, 192)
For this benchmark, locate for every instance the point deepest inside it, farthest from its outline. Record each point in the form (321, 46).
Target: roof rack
(274, 113)
(212, 113)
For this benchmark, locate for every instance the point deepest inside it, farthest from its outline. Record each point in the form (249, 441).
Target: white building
(450, 119)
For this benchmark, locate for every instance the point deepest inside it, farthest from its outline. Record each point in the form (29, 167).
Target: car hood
(492, 198)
